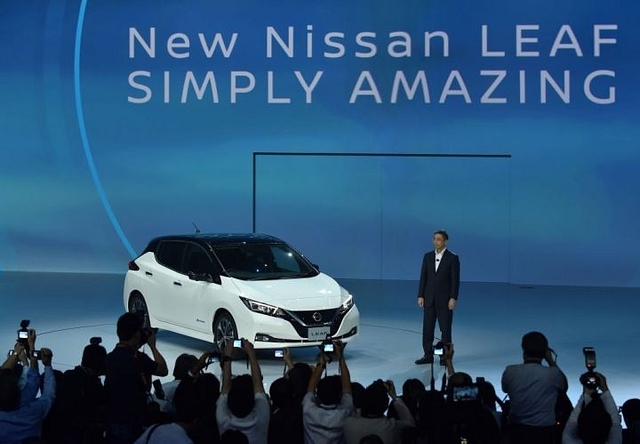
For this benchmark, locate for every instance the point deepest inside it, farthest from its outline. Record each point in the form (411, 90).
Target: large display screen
(353, 130)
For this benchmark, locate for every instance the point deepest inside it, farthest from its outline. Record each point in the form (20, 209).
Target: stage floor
(489, 321)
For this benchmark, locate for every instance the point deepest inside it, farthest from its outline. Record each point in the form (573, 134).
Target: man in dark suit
(438, 293)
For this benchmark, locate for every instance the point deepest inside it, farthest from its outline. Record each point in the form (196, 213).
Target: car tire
(137, 304)
(224, 329)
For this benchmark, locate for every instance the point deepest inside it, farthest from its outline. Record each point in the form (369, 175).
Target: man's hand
(391, 388)
(420, 302)
(247, 346)
(152, 338)
(46, 355)
(448, 354)
(452, 304)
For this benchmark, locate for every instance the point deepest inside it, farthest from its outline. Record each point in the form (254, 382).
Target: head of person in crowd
(371, 439)
(412, 391)
(594, 422)
(631, 412)
(241, 398)
(281, 393)
(94, 358)
(329, 390)
(184, 363)
(299, 376)
(357, 392)
(534, 346)
(129, 329)
(375, 400)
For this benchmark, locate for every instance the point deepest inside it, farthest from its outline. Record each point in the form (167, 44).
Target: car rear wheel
(224, 330)
(137, 304)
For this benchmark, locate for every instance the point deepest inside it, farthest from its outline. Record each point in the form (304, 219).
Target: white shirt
(439, 257)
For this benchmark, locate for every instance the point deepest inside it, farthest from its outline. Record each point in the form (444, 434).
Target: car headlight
(260, 307)
(346, 305)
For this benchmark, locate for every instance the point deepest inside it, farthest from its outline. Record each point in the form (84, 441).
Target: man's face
(438, 242)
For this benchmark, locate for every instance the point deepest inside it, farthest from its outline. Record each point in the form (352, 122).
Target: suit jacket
(438, 287)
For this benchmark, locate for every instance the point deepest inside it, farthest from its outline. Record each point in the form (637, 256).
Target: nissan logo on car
(317, 316)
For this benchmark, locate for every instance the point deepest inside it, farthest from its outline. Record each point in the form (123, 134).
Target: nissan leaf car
(219, 287)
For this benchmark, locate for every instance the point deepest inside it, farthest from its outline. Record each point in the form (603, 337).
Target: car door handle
(148, 273)
(177, 283)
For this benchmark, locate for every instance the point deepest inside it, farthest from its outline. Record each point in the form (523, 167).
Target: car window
(197, 260)
(263, 261)
(170, 254)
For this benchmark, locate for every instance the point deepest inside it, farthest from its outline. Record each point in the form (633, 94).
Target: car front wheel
(224, 330)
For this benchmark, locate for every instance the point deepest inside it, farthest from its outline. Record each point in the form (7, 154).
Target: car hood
(318, 292)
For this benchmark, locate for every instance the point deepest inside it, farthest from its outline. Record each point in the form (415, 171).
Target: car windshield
(263, 262)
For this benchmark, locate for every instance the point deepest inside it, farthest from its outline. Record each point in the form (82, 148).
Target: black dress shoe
(424, 360)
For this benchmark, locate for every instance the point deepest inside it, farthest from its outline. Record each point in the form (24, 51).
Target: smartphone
(278, 353)
(589, 357)
(23, 334)
(466, 393)
(328, 348)
(237, 343)
(36, 354)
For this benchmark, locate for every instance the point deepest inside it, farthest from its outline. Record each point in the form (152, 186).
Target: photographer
(533, 391)
(595, 418)
(328, 401)
(128, 378)
(21, 415)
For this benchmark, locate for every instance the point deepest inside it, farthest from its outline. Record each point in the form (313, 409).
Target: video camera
(589, 379)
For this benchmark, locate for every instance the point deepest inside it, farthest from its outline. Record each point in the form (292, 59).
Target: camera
(439, 349)
(327, 346)
(213, 357)
(23, 334)
(144, 336)
(278, 353)
(589, 358)
(237, 343)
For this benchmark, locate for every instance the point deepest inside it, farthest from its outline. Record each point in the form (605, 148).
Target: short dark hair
(184, 363)
(329, 390)
(594, 422)
(443, 233)
(631, 411)
(94, 357)
(376, 400)
(241, 398)
(535, 345)
(128, 325)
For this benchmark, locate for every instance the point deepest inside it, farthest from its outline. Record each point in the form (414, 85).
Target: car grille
(302, 320)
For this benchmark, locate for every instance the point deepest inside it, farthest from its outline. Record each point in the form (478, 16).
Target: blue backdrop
(350, 129)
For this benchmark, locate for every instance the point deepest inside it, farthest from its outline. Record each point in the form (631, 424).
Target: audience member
(80, 404)
(328, 401)
(21, 415)
(372, 419)
(128, 378)
(595, 418)
(631, 416)
(533, 391)
(243, 404)
(285, 425)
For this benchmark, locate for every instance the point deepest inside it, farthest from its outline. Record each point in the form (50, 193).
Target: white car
(220, 287)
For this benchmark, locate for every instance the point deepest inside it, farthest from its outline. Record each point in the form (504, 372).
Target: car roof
(217, 239)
